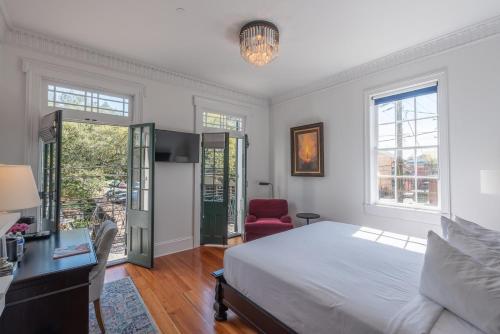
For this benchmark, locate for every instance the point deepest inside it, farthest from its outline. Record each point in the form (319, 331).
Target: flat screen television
(173, 146)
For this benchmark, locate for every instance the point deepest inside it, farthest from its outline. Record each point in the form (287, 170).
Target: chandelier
(259, 42)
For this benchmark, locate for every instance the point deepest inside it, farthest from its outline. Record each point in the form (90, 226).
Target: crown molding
(69, 50)
(435, 46)
(90, 56)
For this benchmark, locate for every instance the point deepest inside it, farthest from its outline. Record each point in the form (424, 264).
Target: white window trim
(212, 129)
(424, 215)
(37, 73)
(220, 106)
(87, 116)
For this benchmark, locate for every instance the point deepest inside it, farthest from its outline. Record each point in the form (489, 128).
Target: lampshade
(490, 181)
(17, 188)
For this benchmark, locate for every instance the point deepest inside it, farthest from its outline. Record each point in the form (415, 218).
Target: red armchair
(266, 217)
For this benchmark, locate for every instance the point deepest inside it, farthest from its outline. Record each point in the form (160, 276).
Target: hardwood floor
(179, 291)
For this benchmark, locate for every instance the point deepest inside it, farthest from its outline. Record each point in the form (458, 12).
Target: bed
(323, 278)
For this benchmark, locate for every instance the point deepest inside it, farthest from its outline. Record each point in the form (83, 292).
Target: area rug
(123, 310)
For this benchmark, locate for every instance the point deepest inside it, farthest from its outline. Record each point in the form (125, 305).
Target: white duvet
(321, 278)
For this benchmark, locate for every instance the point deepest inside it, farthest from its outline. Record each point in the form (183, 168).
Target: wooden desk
(47, 295)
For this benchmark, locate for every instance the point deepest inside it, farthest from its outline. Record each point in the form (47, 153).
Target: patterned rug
(123, 310)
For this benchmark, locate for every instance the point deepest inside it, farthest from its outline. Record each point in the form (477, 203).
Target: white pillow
(482, 232)
(487, 253)
(462, 285)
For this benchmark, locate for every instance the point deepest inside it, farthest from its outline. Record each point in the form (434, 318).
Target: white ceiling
(318, 37)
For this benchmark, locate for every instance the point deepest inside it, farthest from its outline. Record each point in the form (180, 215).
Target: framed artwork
(307, 150)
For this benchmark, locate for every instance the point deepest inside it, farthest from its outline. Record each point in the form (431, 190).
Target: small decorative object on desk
(20, 246)
(71, 250)
(6, 267)
(19, 227)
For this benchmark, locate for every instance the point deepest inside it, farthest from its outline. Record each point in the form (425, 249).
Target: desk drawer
(63, 312)
(46, 285)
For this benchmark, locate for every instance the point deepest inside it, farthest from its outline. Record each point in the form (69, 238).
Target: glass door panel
(140, 213)
(50, 138)
(215, 184)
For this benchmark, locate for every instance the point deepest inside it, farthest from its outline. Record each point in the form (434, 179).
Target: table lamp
(18, 191)
(490, 181)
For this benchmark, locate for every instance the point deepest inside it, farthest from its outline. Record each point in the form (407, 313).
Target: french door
(140, 195)
(237, 184)
(50, 135)
(214, 188)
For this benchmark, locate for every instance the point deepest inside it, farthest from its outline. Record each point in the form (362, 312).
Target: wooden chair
(102, 244)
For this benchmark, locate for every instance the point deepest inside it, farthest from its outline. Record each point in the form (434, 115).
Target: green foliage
(215, 158)
(80, 223)
(92, 157)
(233, 157)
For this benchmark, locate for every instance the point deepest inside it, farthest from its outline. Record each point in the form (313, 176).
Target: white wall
(473, 85)
(170, 107)
(474, 111)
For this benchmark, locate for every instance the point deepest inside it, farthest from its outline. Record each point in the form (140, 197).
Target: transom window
(82, 99)
(222, 121)
(406, 147)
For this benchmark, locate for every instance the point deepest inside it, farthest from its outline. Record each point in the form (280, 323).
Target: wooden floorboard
(179, 291)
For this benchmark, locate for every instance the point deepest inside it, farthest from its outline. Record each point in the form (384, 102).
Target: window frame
(235, 133)
(38, 73)
(220, 106)
(88, 116)
(372, 203)
(232, 133)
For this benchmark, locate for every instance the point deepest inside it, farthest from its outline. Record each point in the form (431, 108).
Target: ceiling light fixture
(259, 42)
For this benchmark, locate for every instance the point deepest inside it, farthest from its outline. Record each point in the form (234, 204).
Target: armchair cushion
(266, 217)
(286, 219)
(268, 208)
(267, 226)
(250, 219)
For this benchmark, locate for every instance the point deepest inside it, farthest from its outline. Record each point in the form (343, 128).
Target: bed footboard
(227, 297)
(219, 307)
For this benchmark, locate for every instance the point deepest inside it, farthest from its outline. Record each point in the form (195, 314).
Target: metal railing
(91, 212)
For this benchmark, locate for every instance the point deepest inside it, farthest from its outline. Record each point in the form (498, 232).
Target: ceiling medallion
(259, 42)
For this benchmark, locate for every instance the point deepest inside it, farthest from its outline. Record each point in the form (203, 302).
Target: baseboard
(173, 246)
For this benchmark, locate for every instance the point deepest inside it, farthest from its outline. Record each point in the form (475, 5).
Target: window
(81, 99)
(222, 121)
(405, 147)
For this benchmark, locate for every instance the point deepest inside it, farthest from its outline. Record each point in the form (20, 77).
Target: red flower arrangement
(19, 228)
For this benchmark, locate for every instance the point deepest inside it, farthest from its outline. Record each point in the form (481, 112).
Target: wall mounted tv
(173, 146)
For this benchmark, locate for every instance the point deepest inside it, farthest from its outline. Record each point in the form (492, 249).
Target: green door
(50, 183)
(140, 194)
(214, 188)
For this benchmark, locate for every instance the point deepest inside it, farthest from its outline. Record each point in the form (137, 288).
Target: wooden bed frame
(227, 297)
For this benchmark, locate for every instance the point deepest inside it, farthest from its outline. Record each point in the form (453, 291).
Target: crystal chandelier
(259, 42)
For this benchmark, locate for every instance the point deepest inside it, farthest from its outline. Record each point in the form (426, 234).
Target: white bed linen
(322, 279)
(416, 317)
(423, 316)
(449, 323)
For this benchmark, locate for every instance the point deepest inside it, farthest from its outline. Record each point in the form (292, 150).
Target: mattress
(325, 278)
